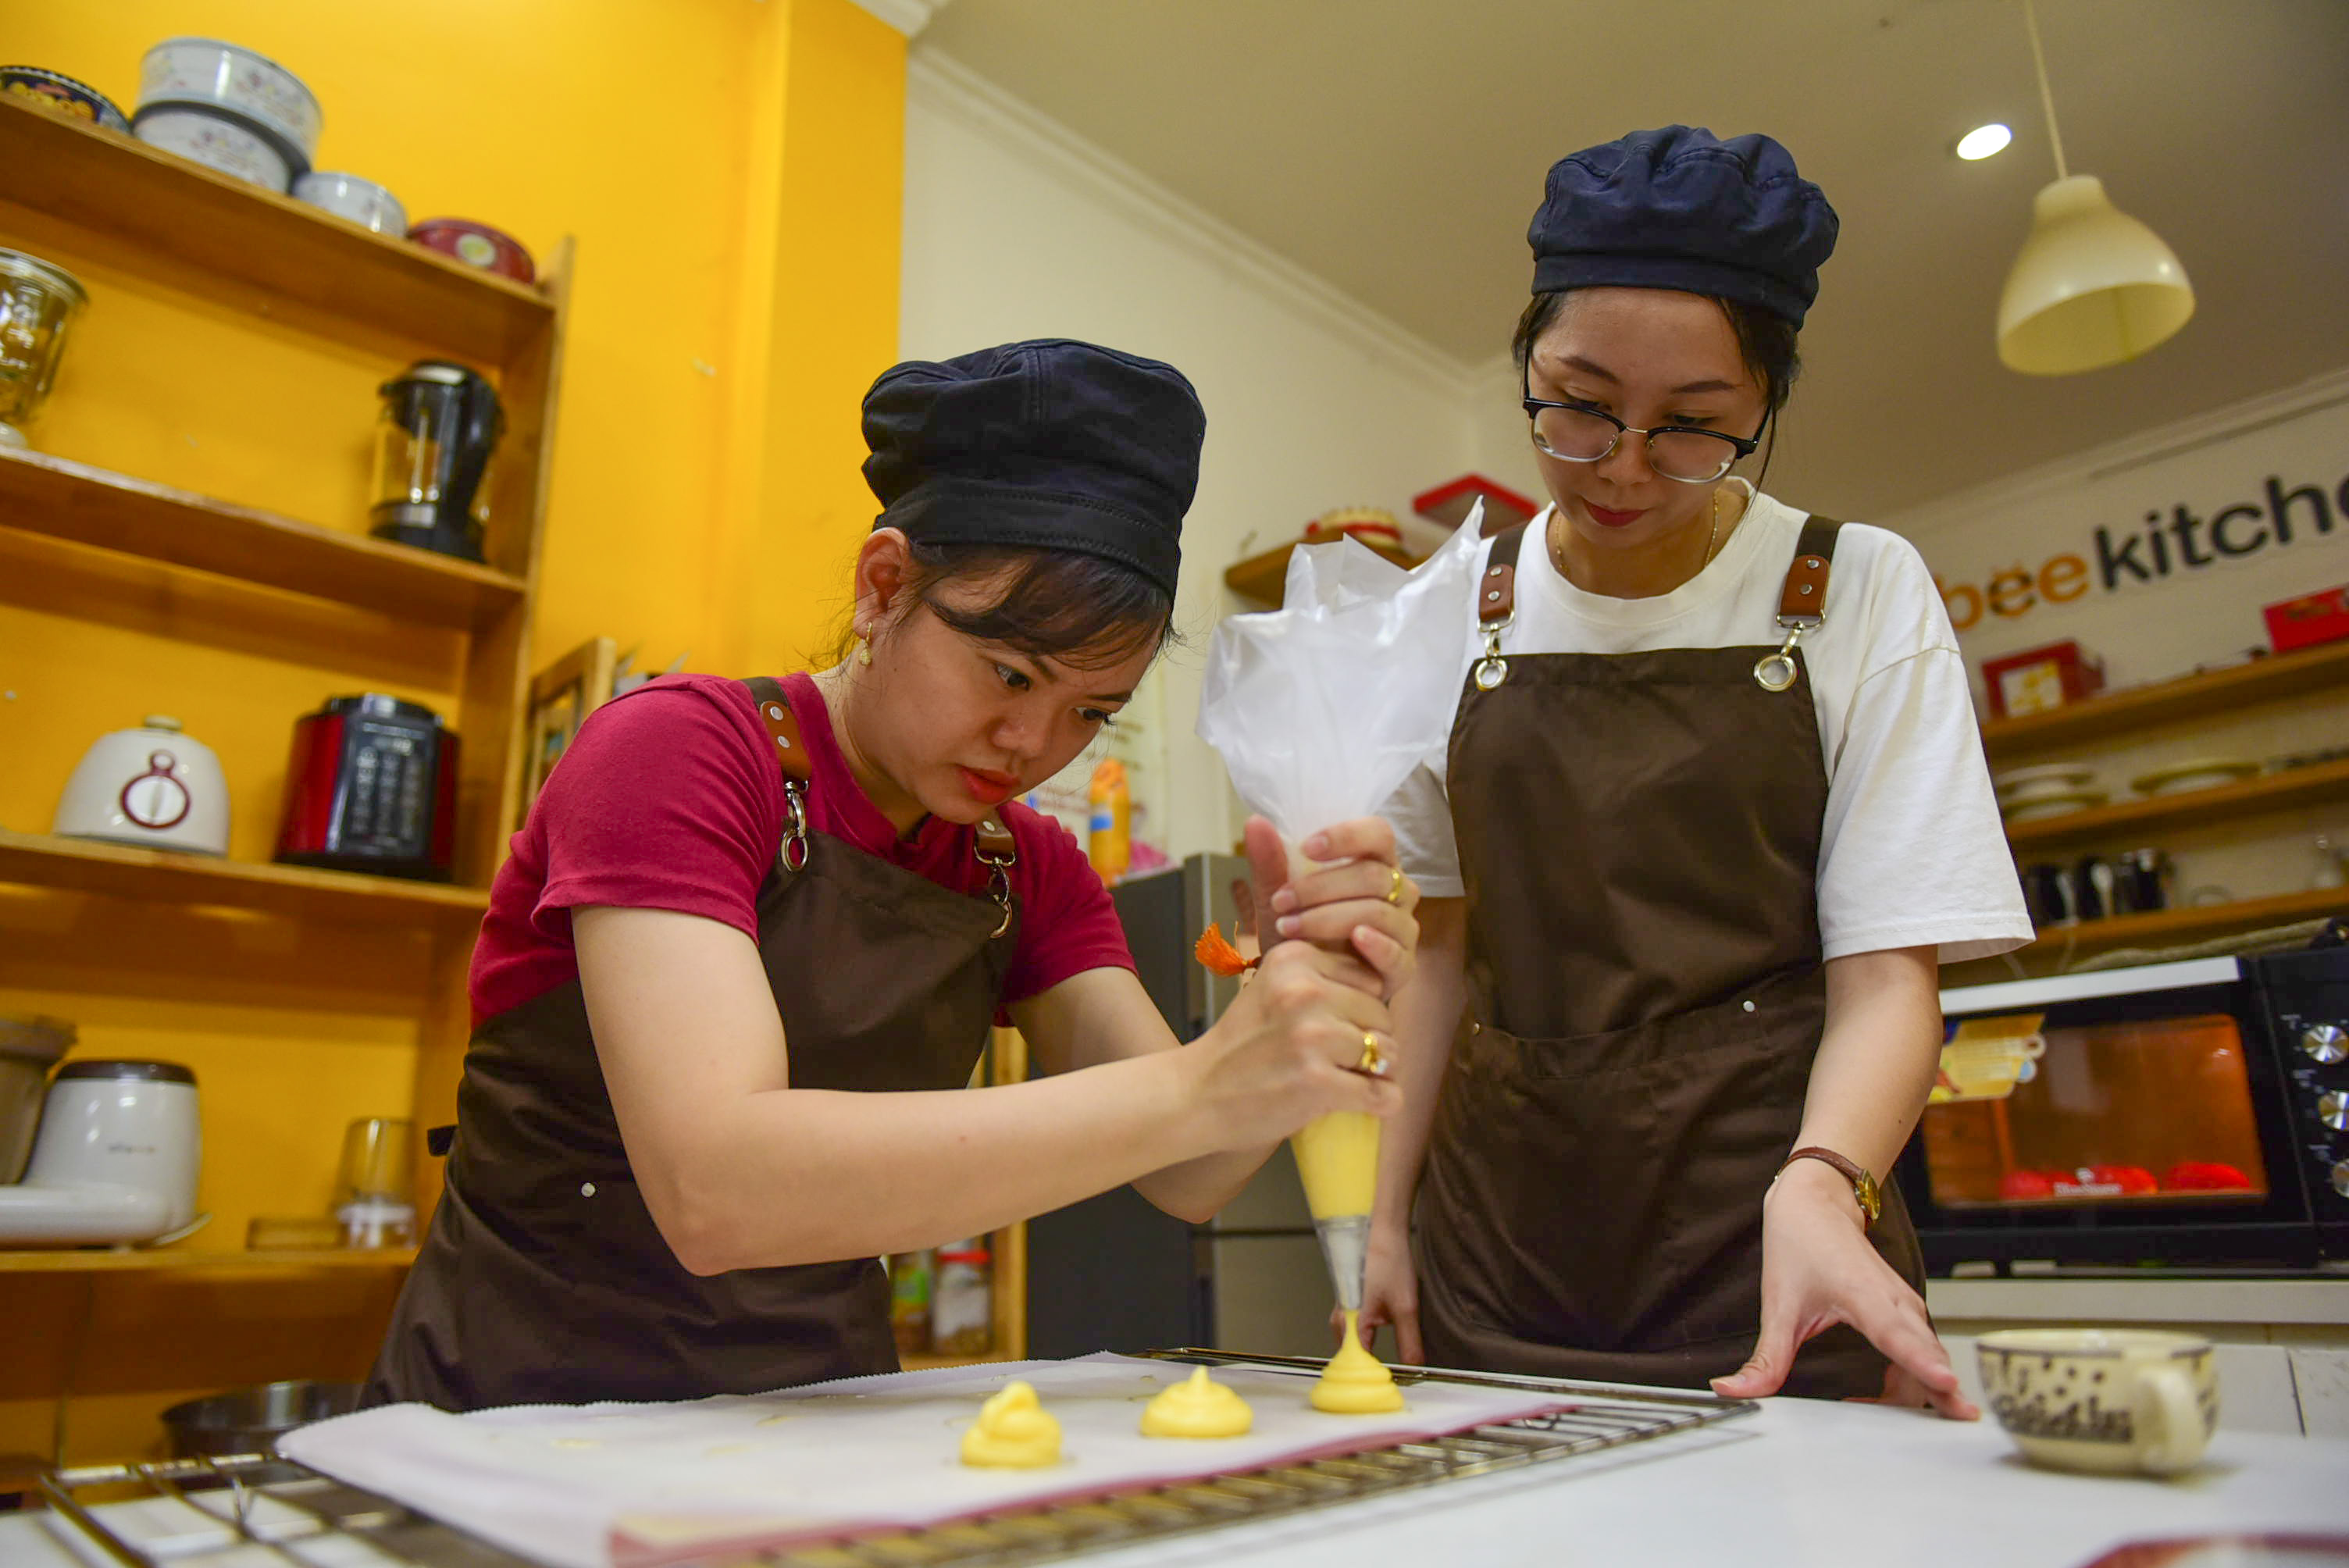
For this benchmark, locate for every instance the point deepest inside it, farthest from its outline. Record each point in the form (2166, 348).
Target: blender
(439, 424)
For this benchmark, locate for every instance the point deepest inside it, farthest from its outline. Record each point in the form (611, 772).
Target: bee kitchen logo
(2163, 546)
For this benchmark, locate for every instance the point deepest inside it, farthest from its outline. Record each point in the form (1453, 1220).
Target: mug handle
(2170, 1421)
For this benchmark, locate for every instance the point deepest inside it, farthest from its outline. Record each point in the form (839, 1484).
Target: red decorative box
(2037, 679)
(2311, 619)
(1450, 504)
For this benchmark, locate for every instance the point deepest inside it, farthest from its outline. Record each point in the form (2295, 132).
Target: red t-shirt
(670, 798)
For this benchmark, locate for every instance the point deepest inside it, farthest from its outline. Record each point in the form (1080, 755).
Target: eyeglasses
(1578, 433)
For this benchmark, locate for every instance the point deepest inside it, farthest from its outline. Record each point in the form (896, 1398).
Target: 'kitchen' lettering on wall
(2180, 542)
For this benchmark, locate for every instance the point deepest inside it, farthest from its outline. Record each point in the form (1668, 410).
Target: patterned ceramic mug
(2102, 1399)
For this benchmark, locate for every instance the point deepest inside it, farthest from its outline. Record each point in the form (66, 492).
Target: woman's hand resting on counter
(1818, 1270)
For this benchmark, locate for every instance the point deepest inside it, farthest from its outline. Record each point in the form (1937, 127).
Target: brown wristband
(1864, 1189)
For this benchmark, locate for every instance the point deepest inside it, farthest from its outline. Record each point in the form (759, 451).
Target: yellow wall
(731, 173)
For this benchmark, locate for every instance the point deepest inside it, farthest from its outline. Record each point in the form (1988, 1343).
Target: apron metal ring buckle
(794, 852)
(1777, 672)
(999, 888)
(1493, 669)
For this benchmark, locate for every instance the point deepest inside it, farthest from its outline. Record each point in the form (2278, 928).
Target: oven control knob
(2328, 1043)
(2333, 1110)
(2341, 1177)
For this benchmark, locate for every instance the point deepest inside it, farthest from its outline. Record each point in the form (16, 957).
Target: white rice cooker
(115, 1160)
(153, 786)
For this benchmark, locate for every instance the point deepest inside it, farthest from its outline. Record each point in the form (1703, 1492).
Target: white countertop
(1801, 1484)
(2147, 1300)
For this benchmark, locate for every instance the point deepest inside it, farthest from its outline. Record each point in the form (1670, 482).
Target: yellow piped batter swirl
(1012, 1432)
(1198, 1407)
(1355, 1382)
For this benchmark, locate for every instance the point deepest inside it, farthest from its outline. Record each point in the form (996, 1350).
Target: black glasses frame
(1744, 449)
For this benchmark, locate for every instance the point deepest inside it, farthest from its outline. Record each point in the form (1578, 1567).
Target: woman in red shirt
(739, 909)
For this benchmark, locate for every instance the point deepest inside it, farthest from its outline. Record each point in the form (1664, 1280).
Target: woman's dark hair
(1081, 610)
(1766, 341)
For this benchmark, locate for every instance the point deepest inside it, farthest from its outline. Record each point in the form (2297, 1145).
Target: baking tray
(252, 1511)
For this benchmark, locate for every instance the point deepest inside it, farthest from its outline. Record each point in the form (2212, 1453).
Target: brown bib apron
(1640, 838)
(543, 1279)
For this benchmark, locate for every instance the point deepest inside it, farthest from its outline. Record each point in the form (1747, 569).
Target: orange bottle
(1109, 842)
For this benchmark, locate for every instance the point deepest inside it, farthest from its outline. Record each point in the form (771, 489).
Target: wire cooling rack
(252, 1511)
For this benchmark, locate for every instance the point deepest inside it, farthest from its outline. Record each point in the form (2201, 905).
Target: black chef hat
(1681, 209)
(1050, 444)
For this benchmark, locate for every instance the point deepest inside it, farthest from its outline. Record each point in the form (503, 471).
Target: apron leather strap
(1805, 596)
(1497, 596)
(783, 725)
(996, 848)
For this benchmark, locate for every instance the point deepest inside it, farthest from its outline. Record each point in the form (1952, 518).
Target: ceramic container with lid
(210, 73)
(60, 94)
(476, 245)
(361, 201)
(219, 140)
(153, 786)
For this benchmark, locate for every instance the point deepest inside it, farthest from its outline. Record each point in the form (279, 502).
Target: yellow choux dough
(1355, 1383)
(1012, 1432)
(1197, 1407)
(1338, 1158)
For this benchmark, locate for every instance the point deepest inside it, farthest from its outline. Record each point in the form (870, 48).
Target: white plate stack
(2051, 789)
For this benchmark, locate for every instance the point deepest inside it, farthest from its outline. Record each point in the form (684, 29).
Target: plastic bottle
(962, 1305)
(910, 1287)
(1109, 843)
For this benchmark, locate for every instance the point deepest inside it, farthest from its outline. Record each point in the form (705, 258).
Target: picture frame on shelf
(561, 695)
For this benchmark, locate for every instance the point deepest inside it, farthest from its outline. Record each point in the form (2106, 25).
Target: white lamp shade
(2093, 287)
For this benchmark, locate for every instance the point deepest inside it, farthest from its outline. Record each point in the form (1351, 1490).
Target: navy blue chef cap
(1049, 444)
(1682, 208)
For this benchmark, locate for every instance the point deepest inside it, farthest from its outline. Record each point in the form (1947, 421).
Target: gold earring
(863, 649)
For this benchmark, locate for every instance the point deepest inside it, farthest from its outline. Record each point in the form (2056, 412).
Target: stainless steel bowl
(251, 1421)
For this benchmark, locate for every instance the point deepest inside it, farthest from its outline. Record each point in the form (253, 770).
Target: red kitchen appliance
(2193, 1114)
(2311, 619)
(2037, 679)
(371, 787)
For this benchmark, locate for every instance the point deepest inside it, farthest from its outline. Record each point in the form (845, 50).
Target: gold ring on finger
(1373, 1060)
(1394, 884)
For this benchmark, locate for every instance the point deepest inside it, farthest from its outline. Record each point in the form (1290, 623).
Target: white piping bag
(1321, 709)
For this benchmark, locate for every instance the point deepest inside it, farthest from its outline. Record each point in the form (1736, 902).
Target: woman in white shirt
(1713, 808)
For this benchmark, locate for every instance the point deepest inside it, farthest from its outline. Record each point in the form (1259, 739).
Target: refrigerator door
(1213, 887)
(1112, 1273)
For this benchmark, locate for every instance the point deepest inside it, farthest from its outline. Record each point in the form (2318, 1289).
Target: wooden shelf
(2198, 807)
(1262, 577)
(2169, 702)
(2176, 927)
(187, 219)
(161, 876)
(92, 1260)
(65, 500)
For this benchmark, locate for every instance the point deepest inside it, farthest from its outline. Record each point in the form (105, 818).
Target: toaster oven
(2191, 1115)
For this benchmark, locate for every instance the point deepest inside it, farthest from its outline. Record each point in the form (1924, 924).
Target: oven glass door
(2152, 1117)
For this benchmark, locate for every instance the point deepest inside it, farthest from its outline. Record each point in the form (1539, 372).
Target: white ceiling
(1396, 147)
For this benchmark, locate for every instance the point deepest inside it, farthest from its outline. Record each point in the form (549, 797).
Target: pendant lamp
(2093, 287)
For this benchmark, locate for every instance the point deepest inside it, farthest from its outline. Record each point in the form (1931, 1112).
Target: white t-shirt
(1912, 851)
